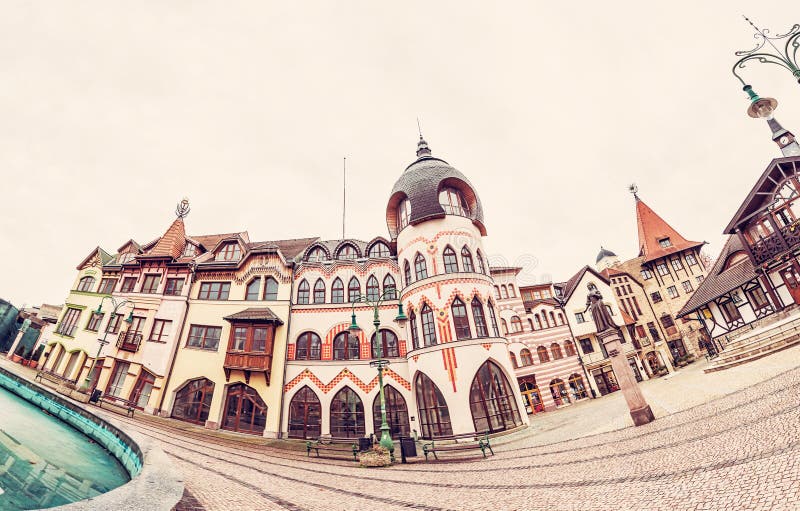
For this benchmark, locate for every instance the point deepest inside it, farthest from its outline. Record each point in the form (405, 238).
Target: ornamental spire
(422, 145)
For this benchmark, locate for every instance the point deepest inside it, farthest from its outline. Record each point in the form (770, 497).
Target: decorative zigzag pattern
(345, 373)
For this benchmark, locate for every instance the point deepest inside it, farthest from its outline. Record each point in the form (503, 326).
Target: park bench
(123, 404)
(51, 377)
(463, 442)
(335, 445)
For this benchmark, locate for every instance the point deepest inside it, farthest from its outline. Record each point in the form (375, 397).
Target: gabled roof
(171, 244)
(259, 314)
(652, 228)
(777, 170)
(721, 280)
(289, 248)
(209, 241)
(572, 283)
(104, 257)
(131, 242)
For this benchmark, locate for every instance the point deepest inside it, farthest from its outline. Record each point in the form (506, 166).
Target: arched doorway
(396, 412)
(347, 414)
(193, 401)
(491, 400)
(559, 392)
(531, 396)
(434, 416)
(305, 415)
(142, 389)
(577, 387)
(245, 411)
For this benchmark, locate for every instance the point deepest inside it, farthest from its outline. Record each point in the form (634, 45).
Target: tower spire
(764, 108)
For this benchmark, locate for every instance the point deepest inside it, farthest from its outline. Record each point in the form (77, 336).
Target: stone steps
(758, 348)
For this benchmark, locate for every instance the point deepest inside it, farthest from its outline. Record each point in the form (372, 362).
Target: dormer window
(126, 257)
(316, 255)
(452, 201)
(189, 250)
(379, 250)
(665, 243)
(347, 252)
(230, 252)
(403, 214)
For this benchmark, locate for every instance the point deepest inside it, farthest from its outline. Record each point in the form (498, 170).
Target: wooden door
(791, 277)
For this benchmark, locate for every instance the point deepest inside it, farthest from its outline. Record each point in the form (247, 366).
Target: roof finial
(422, 146)
(634, 189)
(419, 128)
(182, 210)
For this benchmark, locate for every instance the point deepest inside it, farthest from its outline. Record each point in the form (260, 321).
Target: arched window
(434, 416)
(503, 291)
(319, 291)
(479, 260)
(412, 324)
(450, 260)
(511, 292)
(516, 324)
(396, 413)
(308, 347)
(538, 321)
(353, 290)
(86, 284)
(229, 252)
(403, 214)
(555, 349)
(316, 255)
(305, 415)
(337, 291)
(491, 400)
(245, 411)
(453, 202)
(530, 324)
(560, 319)
(345, 346)
(193, 401)
(388, 344)
(569, 348)
(460, 319)
(373, 289)
(428, 326)
(303, 291)
(552, 319)
(541, 351)
(480, 320)
(347, 414)
(559, 392)
(347, 252)
(577, 387)
(504, 325)
(497, 292)
(253, 289)
(493, 318)
(513, 360)
(466, 258)
(389, 288)
(420, 268)
(407, 273)
(270, 289)
(379, 249)
(544, 317)
(525, 357)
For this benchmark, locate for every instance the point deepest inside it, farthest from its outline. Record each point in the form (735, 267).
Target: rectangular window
(758, 298)
(94, 322)
(636, 303)
(579, 317)
(117, 378)
(655, 296)
(662, 269)
(691, 260)
(672, 291)
(699, 278)
(160, 332)
(205, 337)
(69, 322)
(239, 338)
(651, 327)
(150, 284)
(665, 243)
(259, 339)
(687, 286)
(640, 332)
(214, 290)
(174, 287)
(647, 274)
(676, 264)
(107, 286)
(619, 292)
(667, 322)
(729, 311)
(113, 323)
(128, 284)
(586, 345)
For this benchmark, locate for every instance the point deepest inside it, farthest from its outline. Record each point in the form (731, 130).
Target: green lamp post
(380, 363)
(102, 342)
(785, 57)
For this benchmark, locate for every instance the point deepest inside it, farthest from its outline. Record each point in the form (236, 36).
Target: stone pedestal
(639, 409)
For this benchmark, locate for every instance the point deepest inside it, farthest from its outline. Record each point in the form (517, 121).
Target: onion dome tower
(458, 360)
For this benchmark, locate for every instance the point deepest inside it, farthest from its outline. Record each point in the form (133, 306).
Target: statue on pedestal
(600, 313)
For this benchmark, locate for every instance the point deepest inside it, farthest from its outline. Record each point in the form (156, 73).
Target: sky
(111, 112)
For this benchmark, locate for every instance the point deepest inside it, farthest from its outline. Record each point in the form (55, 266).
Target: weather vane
(183, 208)
(634, 189)
(786, 58)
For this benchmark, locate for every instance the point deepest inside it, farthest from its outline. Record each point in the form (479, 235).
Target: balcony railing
(248, 361)
(129, 341)
(773, 245)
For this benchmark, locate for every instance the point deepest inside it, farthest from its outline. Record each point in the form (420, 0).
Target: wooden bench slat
(481, 439)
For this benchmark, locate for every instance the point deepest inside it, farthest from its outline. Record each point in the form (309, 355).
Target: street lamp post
(102, 342)
(380, 363)
(786, 57)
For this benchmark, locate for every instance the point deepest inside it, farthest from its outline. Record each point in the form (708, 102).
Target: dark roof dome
(604, 252)
(421, 183)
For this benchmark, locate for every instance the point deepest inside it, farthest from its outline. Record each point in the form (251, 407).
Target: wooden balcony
(129, 341)
(248, 361)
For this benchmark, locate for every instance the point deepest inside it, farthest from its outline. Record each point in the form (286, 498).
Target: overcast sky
(111, 112)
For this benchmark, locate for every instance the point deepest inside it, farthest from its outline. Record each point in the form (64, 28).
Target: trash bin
(364, 444)
(96, 393)
(408, 448)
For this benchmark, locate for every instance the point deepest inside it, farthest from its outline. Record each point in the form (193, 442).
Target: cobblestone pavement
(727, 440)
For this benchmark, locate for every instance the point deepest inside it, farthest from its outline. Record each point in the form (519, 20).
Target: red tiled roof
(209, 241)
(171, 243)
(653, 228)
